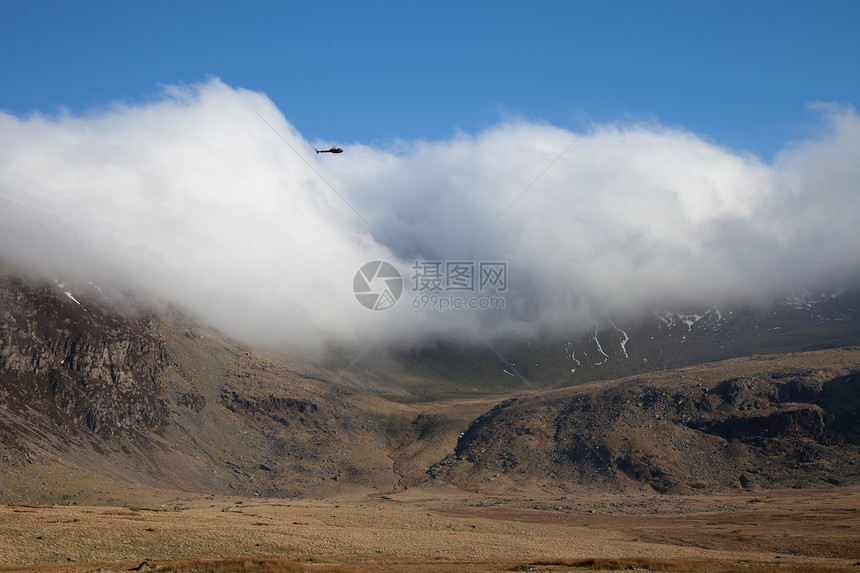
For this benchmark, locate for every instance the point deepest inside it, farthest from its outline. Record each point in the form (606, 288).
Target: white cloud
(196, 201)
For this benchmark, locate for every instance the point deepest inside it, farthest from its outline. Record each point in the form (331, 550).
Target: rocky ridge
(678, 432)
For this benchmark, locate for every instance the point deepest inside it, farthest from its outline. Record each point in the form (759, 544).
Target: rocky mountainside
(159, 401)
(766, 425)
(153, 399)
(660, 340)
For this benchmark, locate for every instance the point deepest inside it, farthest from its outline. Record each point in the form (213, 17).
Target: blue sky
(739, 74)
(619, 157)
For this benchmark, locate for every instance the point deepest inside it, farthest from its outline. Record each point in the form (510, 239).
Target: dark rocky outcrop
(680, 435)
(85, 367)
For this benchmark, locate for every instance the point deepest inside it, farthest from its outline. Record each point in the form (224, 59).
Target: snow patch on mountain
(671, 319)
(623, 340)
(68, 293)
(599, 348)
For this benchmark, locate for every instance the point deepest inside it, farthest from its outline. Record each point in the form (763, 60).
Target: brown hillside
(159, 401)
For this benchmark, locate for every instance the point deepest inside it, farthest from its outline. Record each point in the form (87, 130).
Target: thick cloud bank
(211, 201)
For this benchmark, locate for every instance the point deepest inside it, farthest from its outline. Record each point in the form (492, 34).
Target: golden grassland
(442, 529)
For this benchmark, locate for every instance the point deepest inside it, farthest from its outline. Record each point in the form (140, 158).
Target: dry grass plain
(441, 529)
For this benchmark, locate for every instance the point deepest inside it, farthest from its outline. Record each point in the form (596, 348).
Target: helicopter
(332, 150)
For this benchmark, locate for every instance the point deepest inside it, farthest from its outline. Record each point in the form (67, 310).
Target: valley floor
(441, 529)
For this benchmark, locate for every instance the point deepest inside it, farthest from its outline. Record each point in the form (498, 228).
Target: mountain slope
(659, 340)
(787, 421)
(156, 400)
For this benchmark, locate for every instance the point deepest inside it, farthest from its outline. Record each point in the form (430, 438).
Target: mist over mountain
(208, 199)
